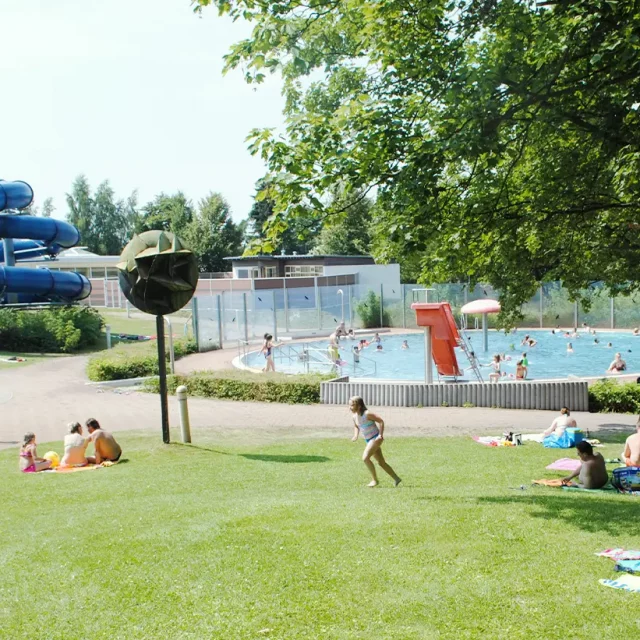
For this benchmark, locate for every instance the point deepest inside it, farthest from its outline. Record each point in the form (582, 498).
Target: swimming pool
(548, 359)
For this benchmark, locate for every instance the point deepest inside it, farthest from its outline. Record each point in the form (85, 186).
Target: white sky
(131, 91)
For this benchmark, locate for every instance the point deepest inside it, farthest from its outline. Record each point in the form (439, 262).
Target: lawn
(31, 358)
(285, 541)
(141, 323)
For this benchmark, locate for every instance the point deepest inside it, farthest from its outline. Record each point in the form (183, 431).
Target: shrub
(369, 311)
(54, 330)
(241, 385)
(609, 396)
(133, 360)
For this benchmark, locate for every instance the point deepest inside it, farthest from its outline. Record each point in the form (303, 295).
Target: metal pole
(185, 426)
(341, 292)
(106, 292)
(485, 333)
(220, 340)
(350, 289)
(286, 305)
(428, 356)
(162, 375)
(613, 320)
(318, 303)
(575, 313)
(404, 307)
(275, 316)
(194, 321)
(381, 306)
(172, 358)
(246, 316)
(107, 330)
(541, 309)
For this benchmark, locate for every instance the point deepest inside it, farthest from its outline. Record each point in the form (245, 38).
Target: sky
(131, 91)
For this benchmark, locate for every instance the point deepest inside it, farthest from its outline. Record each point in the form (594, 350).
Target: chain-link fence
(229, 317)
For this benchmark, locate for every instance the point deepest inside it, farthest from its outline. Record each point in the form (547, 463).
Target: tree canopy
(501, 137)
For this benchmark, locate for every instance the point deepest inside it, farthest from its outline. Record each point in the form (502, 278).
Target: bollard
(107, 330)
(181, 393)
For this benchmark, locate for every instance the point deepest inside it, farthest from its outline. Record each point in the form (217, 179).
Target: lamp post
(341, 292)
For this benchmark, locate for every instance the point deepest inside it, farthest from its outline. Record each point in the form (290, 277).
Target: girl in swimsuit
(267, 350)
(372, 428)
(29, 461)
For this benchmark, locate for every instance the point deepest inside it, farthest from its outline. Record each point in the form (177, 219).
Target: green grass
(285, 541)
(140, 324)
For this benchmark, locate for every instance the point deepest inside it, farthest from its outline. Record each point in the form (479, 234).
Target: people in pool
(560, 424)
(267, 351)
(525, 363)
(371, 427)
(29, 460)
(377, 338)
(636, 332)
(596, 341)
(592, 473)
(378, 348)
(356, 354)
(495, 365)
(618, 365)
(363, 343)
(351, 335)
(569, 348)
(521, 371)
(609, 345)
(405, 345)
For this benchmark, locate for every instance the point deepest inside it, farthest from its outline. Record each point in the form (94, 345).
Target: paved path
(44, 397)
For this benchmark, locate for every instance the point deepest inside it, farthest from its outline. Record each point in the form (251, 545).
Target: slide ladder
(35, 237)
(473, 361)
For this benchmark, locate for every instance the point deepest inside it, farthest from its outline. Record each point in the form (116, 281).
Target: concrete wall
(505, 395)
(369, 275)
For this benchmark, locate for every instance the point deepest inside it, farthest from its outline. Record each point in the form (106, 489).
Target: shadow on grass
(200, 447)
(614, 516)
(285, 459)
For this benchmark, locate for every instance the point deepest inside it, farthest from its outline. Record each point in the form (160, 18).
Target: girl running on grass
(372, 428)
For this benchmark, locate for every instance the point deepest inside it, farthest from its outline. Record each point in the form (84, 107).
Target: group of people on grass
(106, 449)
(592, 473)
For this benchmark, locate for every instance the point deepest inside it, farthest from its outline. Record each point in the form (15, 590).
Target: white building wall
(369, 275)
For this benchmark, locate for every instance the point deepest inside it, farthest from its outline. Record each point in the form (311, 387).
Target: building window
(303, 271)
(242, 273)
(271, 272)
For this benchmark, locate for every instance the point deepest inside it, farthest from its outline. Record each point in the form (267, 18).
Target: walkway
(44, 397)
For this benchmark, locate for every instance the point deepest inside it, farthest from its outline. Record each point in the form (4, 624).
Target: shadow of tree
(283, 458)
(615, 515)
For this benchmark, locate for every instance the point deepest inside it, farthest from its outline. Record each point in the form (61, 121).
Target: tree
(212, 235)
(166, 213)
(502, 137)
(298, 235)
(105, 224)
(47, 208)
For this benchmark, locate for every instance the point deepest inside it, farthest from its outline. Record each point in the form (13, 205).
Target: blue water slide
(36, 237)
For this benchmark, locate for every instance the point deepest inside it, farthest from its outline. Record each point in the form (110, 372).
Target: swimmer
(521, 371)
(351, 335)
(405, 345)
(618, 365)
(495, 365)
(525, 341)
(363, 344)
(379, 348)
(609, 345)
(377, 338)
(596, 341)
(356, 354)
(372, 428)
(525, 363)
(636, 332)
(532, 342)
(553, 332)
(569, 348)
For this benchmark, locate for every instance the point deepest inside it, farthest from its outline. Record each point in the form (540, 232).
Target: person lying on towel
(592, 472)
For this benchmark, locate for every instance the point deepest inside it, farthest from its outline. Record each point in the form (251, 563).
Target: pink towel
(565, 464)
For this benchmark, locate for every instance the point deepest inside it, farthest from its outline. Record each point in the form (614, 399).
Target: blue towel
(629, 566)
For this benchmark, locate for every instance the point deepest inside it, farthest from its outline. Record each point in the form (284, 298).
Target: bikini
(32, 467)
(368, 428)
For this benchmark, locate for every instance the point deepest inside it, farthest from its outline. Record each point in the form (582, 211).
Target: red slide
(444, 334)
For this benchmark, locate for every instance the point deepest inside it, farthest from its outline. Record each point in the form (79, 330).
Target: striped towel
(626, 582)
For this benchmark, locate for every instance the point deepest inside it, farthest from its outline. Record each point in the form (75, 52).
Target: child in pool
(405, 344)
(569, 348)
(29, 460)
(372, 428)
(378, 348)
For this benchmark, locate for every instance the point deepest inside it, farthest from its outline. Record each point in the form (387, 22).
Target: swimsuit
(32, 467)
(368, 428)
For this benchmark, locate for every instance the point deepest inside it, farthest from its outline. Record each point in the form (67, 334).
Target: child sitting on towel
(592, 472)
(29, 460)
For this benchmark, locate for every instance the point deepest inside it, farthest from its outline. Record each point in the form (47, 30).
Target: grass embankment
(285, 541)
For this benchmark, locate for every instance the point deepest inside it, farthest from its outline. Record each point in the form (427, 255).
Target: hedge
(609, 396)
(133, 360)
(54, 330)
(241, 385)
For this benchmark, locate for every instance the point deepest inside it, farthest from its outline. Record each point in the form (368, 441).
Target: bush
(369, 311)
(53, 330)
(133, 360)
(609, 396)
(241, 385)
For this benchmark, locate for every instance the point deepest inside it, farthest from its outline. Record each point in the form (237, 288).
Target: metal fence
(229, 316)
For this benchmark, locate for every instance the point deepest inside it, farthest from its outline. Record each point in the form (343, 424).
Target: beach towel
(545, 482)
(557, 482)
(565, 464)
(606, 489)
(628, 566)
(568, 439)
(493, 441)
(533, 437)
(620, 554)
(76, 468)
(627, 582)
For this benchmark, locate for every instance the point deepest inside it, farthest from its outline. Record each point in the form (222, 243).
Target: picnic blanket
(532, 437)
(76, 468)
(620, 554)
(565, 464)
(628, 566)
(493, 441)
(608, 488)
(627, 582)
(557, 482)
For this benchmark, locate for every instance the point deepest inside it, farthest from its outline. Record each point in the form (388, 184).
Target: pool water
(548, 359)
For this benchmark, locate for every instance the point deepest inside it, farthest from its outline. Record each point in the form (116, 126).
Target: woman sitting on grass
(75, 445)
(372, 428)
(29, 460)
